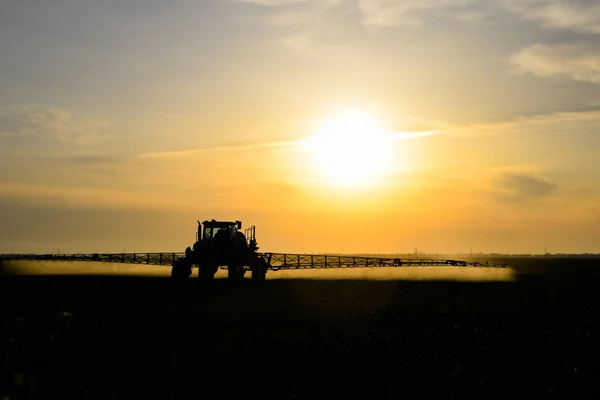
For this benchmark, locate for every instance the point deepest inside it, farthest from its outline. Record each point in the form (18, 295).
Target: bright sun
(351, 149)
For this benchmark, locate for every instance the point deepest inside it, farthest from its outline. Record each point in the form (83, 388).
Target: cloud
(54, 122)
(276, 2)
(372, 13)
(522, 186)
(577, 15)
(183, 153)
(576, 61)
(473, 16)
(274, 144)
(302, 19)
(414, 135)
(110, 165)
(386, 13)
(298, 43)
(294, 12)
(564, 120)
(85, 197)
(91, 159)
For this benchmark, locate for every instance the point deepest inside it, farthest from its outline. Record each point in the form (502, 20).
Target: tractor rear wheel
(181, 270)
(235, 272)
(259, 270)
(206, 272)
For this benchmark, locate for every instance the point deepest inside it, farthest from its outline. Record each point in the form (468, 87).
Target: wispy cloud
(414, 135)
(580, 62)
(276, 2)
(294, 12)
(302, 19)
(565, 120)
(298, 43)
(184, 153)
(382, 13)
(275, 144)
(576, 15)
(308, 18)
(85, 197)
(520, 186)
(54, 122)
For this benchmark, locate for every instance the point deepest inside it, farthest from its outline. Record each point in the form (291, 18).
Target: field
(529, 332)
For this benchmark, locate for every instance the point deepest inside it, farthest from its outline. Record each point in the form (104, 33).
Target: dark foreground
(123, 338)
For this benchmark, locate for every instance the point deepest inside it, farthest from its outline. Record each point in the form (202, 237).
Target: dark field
(146, 337)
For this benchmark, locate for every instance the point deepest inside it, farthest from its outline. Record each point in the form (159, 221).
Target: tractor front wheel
(235, 273)
(206, 272)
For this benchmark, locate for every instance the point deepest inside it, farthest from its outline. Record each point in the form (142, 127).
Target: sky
(122, 123)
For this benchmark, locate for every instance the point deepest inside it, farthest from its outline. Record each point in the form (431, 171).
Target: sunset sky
(472, 124)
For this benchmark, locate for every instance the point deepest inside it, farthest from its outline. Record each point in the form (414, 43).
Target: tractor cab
(219, 244)
(208, 229)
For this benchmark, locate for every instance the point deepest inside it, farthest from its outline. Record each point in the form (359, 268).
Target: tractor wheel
(259, 271)
(235, 273)
(181, 270)
(206, 272)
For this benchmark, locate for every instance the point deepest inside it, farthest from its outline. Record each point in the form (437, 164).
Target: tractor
(222, 244)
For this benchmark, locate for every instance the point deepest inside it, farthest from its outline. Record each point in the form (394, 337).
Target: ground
(96, 337)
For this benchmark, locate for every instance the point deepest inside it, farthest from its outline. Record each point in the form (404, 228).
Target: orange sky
(340, 126)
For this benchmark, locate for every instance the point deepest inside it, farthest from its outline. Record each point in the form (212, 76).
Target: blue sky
(124, 109)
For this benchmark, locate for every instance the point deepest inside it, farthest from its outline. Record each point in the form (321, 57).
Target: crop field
(530, 331)
(362, 273)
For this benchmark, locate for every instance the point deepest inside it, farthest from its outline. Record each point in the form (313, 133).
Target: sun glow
(351, 149)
